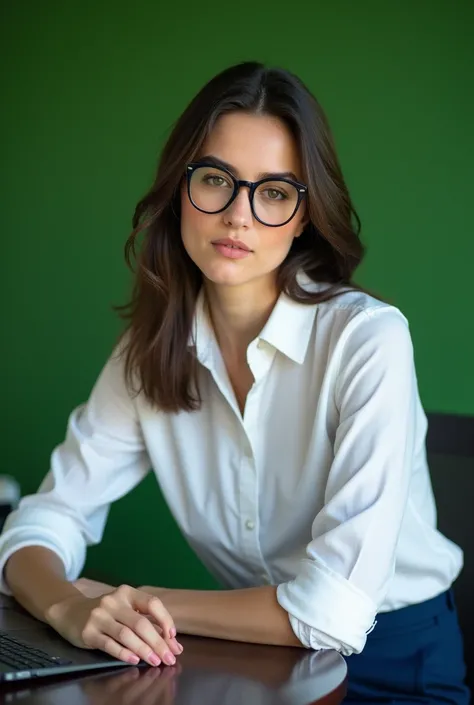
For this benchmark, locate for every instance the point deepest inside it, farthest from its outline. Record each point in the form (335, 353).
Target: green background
(89, 94)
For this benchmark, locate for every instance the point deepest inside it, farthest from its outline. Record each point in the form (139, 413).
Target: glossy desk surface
(210, 672)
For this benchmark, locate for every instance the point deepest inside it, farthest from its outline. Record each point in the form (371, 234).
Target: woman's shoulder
(350, 301)
(355, 315)
(356, 303)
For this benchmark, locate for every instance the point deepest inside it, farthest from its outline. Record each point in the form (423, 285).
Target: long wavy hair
(158, 358)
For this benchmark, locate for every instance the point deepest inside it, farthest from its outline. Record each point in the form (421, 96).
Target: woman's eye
(275, 195)
(212, 180)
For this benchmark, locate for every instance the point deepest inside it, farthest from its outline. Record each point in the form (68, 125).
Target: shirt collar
(288, 329)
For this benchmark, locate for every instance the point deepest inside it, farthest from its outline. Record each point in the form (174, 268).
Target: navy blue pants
(413, 655)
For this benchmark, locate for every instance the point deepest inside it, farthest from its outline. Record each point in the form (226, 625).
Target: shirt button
(261, 344)
(250, 525)
(265, 579)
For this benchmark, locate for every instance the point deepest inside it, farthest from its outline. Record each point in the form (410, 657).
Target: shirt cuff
(326, 611)
(72, 554)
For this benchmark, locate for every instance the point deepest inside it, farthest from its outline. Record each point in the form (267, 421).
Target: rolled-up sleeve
(350, 561)
(101, 459)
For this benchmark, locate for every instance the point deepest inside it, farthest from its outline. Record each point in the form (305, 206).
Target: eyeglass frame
(252, 186)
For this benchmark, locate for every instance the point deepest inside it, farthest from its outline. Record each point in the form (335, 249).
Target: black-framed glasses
(274, 202)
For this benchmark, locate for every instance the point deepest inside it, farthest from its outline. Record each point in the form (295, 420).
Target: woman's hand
(117, 623)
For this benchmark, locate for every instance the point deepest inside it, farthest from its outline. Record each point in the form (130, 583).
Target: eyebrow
(263, 175)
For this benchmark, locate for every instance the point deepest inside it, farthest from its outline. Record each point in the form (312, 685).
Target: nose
(239, 213)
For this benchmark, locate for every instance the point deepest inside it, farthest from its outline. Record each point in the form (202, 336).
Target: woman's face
(252, 145)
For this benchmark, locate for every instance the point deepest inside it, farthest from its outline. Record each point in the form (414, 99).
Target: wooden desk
(209, 672)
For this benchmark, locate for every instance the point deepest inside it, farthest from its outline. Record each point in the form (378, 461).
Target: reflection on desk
(209, 672)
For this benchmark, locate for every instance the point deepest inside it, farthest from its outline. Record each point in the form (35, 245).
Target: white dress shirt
(321, 487)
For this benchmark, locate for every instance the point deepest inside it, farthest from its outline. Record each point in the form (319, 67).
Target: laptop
(31, 649)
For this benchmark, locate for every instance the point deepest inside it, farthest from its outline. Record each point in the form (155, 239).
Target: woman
(277, 404)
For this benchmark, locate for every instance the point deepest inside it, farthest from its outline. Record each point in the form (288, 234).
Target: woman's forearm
(251, 615)
(36, 577)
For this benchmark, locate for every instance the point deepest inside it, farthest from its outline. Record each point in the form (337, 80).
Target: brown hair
(160, 313)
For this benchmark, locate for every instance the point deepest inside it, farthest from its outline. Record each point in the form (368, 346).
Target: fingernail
(172, 633)
(134, 659)
(169, 658)
(154, 659)
(176, 648)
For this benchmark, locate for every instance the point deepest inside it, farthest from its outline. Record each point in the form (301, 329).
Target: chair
(450, 446)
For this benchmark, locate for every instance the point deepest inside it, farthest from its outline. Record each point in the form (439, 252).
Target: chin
(226, 274)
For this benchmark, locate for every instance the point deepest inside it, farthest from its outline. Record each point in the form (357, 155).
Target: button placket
(249, 494)
(248, 507)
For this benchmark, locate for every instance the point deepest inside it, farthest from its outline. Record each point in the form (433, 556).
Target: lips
(232, 249)
(234, 244)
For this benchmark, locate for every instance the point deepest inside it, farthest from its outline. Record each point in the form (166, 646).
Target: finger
(176, 647)
(145, 604)
(135, 638)
(122, 606)
(141, 627)
(159, 615)
(94, 638)
(152, 605)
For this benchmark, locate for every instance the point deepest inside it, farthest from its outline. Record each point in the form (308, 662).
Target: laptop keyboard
(21, 656)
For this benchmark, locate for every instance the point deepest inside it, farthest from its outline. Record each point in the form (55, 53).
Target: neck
(238, 313)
